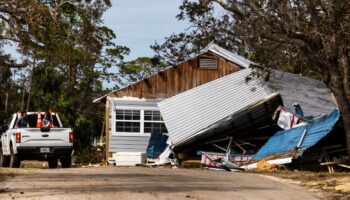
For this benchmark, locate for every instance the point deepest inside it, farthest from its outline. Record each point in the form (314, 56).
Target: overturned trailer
(232, 103)
(234, 106)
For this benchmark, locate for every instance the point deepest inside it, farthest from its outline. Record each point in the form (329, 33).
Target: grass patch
(333, 186)
(34, 164)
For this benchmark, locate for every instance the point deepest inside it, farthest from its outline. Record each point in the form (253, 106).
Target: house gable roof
(229, 55)
(212, 47)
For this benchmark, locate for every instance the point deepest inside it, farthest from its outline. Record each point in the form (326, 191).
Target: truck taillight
(71, 137)
(18, 137)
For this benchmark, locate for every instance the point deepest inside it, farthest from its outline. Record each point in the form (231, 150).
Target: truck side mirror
(4, 128)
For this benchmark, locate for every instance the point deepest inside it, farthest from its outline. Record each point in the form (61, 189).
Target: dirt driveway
(144, 183)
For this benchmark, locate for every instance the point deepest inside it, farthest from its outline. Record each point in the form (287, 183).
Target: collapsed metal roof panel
(312, 95)
(194, 110)
(246, 120)
(301, 138)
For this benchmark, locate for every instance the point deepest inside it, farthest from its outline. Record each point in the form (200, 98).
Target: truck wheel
(14, 161)
(53, 163)
(66, 162)
(4, 160)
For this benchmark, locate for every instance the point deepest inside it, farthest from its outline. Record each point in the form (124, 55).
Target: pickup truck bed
(33, 143)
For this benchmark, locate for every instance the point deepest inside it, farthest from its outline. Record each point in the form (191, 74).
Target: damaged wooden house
(132, 112)
(203, 99)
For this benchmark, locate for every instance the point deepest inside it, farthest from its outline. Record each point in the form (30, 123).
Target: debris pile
(300, 142)
(233, 124)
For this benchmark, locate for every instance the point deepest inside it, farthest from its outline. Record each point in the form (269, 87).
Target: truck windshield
(32, 118)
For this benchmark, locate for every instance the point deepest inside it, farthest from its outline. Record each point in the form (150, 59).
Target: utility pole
(6, 101)
(30, 85)
(23, 95)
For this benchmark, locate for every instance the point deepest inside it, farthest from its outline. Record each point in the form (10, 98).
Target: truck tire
(4, 160)
(14, 161)
(53, 163)
(66, 162)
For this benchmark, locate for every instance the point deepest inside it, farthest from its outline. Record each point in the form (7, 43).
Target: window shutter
(205, 63)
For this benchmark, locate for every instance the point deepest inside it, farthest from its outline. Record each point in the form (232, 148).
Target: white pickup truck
(33, 143)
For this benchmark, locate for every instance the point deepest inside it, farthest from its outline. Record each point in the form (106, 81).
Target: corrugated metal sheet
(246, 120)
(288, 140)
(194, 110)
(312, 95)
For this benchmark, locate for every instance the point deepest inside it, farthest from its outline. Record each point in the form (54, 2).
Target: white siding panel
(196, 109)
(128, 143)
(132, 142)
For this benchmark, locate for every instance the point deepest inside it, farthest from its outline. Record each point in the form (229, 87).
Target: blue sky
(139, 23)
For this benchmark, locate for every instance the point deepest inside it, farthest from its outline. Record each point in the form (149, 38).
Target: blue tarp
(288, 140)
(157, 144)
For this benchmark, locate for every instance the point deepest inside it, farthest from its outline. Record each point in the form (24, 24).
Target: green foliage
(66, 52)
(206, 25)
(84, 134)
(140, 68)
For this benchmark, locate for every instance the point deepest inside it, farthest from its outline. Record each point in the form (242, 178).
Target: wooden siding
(178, 79)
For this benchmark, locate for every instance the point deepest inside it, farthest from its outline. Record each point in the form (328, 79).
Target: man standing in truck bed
(22, 121)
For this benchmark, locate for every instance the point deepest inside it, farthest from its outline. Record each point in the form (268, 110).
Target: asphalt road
(145, 183)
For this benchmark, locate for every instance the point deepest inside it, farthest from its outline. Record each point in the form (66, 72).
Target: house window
(153, 122)
(139, 121)
(128, 121)
(207, 63)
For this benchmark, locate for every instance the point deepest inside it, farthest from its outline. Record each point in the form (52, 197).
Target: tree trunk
(337, 87)
(6, 101)
(346, 121)
(343, 87)
(345, 115)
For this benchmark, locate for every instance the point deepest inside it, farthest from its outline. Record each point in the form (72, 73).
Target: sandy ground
(144, 183)
(329, 186)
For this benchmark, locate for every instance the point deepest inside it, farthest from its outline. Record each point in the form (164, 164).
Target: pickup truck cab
(36, 143)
